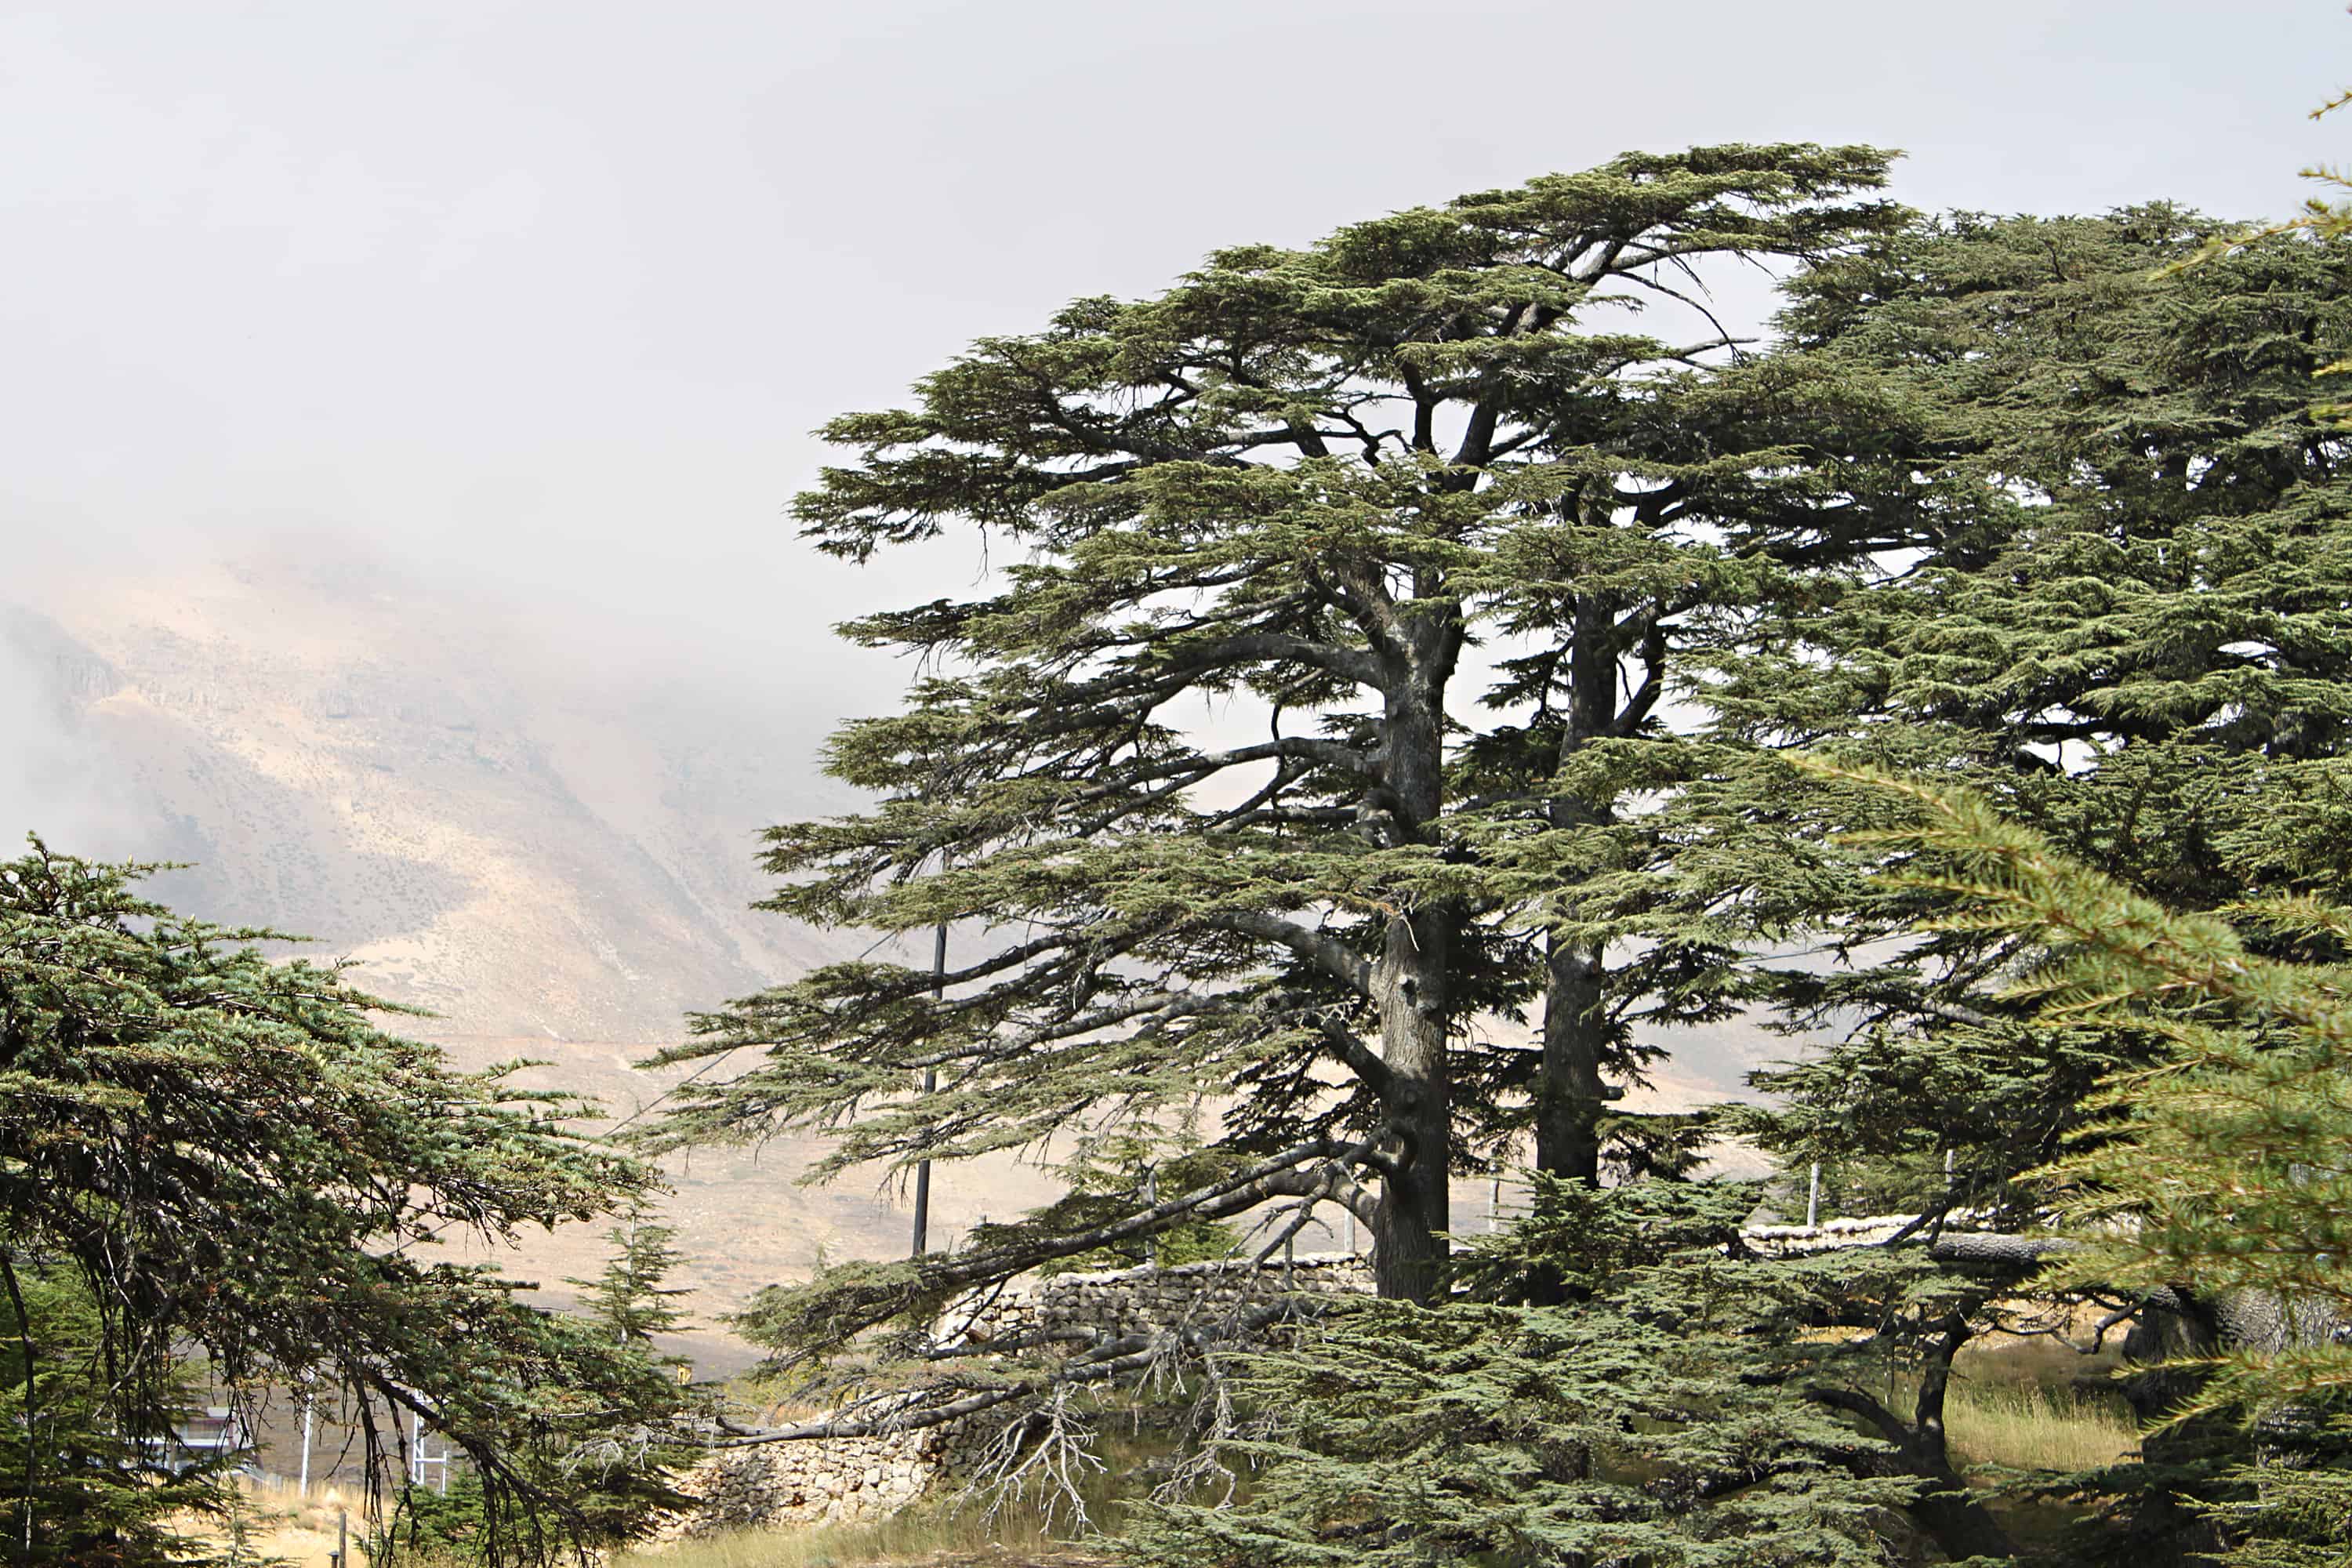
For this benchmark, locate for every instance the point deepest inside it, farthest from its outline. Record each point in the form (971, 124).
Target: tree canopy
(2012, 501)
(1295, 490)
(206, 1151)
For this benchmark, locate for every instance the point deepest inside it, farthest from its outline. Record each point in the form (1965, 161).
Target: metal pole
(310, 1403)
(1151, 1201)
(1813, 1199)
(343, 1538)
(930, 1082)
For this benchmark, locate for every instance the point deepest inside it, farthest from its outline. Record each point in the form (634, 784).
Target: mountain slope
(526, 850)
(549, 842)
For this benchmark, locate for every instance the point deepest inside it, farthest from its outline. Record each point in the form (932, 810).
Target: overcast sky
(552, 293)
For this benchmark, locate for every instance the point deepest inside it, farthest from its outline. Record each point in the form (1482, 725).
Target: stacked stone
(1788, 1241)
(1145, 1299)
(855, 1480)
(851, 1480)
(821, 1481)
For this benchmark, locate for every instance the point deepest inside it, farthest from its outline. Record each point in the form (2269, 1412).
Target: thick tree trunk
(1961, 1524)
(1411, 984)
(1411, 988)
(1570, 1091)
(1569, 1094)
(1948, 1511)
(2183, 1325)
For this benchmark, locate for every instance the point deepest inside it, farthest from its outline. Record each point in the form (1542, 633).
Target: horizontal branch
(1116, 1358)
(1326, 952)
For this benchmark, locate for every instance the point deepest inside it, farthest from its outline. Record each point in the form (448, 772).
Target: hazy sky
(553, 292)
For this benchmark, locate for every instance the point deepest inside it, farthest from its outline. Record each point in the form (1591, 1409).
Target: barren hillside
(556, 860)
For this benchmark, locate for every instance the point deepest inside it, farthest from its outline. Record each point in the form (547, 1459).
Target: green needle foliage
(1296, 489)
(2217, 1184)
(2112, 593)
(76, 1490)
(1115, 1174)
(2132, 639)
(218, 1153)
(630, 1300)
(1662, 1410)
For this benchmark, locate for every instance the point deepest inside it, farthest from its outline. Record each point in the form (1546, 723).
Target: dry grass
(2024, 1427)
(951, 1531)
(940, 1539)
(286, 1526)
(2023, 1406)
(2032, 1405)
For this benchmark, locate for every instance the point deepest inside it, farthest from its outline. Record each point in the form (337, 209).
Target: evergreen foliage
(1660, 1405)
(601, 1492)
(76, 1489)
(1299, 486)
(1118, 1174)
(2006, 505)
(629, 1299)
(2112, 599)
(226, 1156)
(2217, 1184)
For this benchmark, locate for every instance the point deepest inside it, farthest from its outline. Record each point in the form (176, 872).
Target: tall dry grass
(2022, 1405)
(952, 1526)
(283, 1524)
(2022, 1427)
(2033, 1404)
(910, 1538)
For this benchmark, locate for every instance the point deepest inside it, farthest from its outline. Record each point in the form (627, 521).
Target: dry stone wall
(826, 1480)
(855, 1480)
(1871, 1230)
(1142, 1301)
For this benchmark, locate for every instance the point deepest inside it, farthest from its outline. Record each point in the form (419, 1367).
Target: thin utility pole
(930, 1082)
(1151, 1201)
(310, 1403)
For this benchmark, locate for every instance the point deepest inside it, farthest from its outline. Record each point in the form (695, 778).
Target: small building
(209, 1436)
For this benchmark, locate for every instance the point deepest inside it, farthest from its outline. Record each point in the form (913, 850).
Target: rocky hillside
(550, 845)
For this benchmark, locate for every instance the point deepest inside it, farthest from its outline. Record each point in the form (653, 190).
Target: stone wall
(1872, 1230)
(826, 1480)
(856, 1480)
(852, 1480)
(1138, 1300)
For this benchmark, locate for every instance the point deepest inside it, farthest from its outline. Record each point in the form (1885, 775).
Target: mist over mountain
(545, 837)
(525, 847)
(543, 833)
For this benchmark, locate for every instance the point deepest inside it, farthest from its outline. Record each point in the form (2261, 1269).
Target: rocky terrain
(527, 847)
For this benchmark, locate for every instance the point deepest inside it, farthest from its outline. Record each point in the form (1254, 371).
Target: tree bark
(1412, 983)
(1569, 1090)
(1946, 1508)
(1571, 1093)
(1410, 987)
